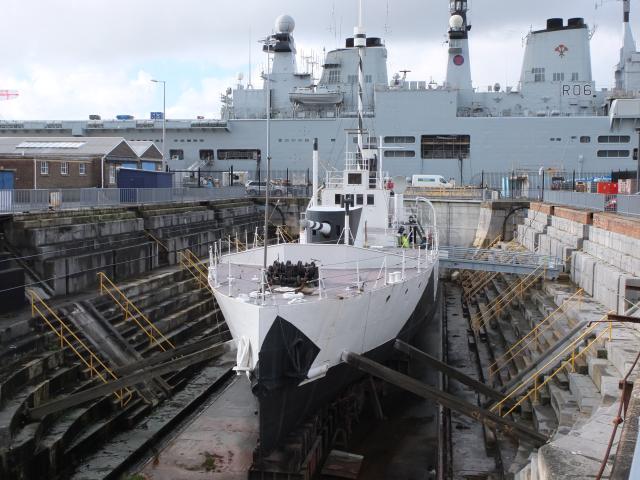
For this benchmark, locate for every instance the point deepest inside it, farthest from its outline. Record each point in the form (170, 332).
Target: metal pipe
(314, 190)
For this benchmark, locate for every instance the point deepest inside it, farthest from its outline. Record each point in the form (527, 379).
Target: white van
(430, 181)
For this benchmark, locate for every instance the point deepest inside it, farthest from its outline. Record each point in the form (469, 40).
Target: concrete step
(544, 418)
(585, 392)
(564, 404)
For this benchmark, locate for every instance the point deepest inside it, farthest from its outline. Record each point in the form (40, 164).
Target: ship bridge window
(585, 139)
(352, 79)
(446, 146)
(399, 139)
(399, 153)
(354, 178)
(613, 153)
(614, 139)
(538, 74)
(370, 200)
(558, 77)
(246, 154)
(359, 199)
(575, 77)
(176, 154)
(368, 78)
(206, 154)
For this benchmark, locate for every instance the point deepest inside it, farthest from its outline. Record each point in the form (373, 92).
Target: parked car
(257, 188)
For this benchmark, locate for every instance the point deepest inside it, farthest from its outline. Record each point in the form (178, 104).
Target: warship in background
(556, 118)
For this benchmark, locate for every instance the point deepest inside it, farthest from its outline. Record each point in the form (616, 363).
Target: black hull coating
(282, 409)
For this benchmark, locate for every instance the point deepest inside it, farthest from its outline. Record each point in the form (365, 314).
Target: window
(368, 78)
(206, 154)
(359, 199)
(585, 139)
(399, 139)
(82, 168)
(558, 77)
(338, 199)
(538, 74)
(574, 77)
(399, 154)
(446, 146)
(246, 154)
(352, 79)
(614, 139)
(112, 174)
(334, 77)
(369, 142)
(354, 178)
(176, 154)
(613, 153)
(44, 168)
(64, 168)
(370, 199)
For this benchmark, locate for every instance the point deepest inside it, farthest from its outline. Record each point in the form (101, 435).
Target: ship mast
(360, 41)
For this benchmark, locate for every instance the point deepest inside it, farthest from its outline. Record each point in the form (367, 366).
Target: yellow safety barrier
(520, 345)
(64, 332)
(504, 300)
(571, 361)
(195, 267)
(132, 312)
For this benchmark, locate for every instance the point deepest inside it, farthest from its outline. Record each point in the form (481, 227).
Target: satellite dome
(285, 24)
(456, 22)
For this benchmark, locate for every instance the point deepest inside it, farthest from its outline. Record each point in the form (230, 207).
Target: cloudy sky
(72, 58)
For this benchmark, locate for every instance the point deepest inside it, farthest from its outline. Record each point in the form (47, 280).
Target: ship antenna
(249, 85)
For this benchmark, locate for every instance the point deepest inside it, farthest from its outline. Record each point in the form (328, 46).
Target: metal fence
(16, 201)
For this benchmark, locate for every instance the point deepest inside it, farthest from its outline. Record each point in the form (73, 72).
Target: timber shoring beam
(139, 375)
(451, 372)
(412, 385)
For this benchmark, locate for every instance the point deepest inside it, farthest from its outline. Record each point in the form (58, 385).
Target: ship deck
(336, 280)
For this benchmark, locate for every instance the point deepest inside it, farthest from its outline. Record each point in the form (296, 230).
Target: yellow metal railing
(519, 347)
(155, 239)
(132, 312)
(481, 282)
(571, 361)
(89, 359)
(195, 267)
(504, 300)
(282, 233)
(495, 241)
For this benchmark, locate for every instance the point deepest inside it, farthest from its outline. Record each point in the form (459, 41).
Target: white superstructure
(556, 117)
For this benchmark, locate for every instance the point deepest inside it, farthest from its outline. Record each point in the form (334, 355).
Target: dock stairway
(498, 261)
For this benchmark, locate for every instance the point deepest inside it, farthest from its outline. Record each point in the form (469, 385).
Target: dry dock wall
(601, 251)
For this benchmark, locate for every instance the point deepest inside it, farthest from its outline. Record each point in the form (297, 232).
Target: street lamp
(164, 120)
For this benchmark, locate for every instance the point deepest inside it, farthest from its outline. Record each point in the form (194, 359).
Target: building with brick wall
(72, 162)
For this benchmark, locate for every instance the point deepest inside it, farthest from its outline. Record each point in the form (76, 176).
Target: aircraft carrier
(555, 117)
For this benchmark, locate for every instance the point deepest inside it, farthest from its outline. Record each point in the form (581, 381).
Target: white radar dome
(285, 24)
(456, 22)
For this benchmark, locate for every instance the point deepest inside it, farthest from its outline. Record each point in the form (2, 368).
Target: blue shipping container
(128, 178)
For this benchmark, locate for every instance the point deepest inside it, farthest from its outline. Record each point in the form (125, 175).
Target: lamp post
(164, 120)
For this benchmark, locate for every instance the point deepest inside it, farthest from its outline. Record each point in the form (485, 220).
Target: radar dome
(285, 24)
(456, 22)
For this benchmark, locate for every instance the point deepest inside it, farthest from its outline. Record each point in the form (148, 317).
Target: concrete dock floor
(218, 444)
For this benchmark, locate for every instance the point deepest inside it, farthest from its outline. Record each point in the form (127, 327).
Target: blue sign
(157, 116)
